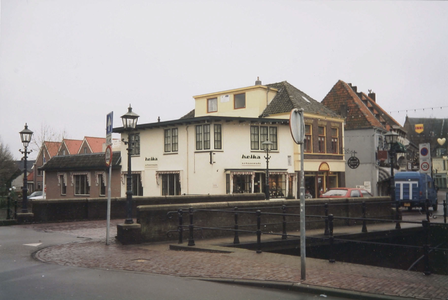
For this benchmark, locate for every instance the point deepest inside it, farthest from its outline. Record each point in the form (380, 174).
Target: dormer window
(212, 105)
(239, 101)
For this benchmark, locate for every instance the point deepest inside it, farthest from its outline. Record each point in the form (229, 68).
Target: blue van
(413, 188)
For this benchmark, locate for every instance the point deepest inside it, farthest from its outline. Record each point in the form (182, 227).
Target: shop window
(170, 184)
(242, 184)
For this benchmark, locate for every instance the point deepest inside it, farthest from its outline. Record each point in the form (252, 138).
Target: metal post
(444, 211)
(25, 184)
(8, 213)
(236, 239)
(284, 235)
(267, 192)
(426, 225)
(331, 248)
(427, 208)
(364, 225)
(190, 227)
(326, 232)
(129, 187)
(258, 231)
(180, 228)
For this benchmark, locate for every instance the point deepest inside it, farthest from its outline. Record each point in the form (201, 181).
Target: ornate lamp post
(267, 145)
(25, 136)
(391, 140)
(129, 123)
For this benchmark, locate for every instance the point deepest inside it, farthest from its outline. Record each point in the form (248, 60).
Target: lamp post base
(25, 218)
(128, 234)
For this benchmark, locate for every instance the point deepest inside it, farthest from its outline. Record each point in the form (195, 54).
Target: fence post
(364, 225)
(236, 239)
(426, 225)
(180, 228)
(284, 235)
(190, 227)
(444, 211)
(258, 231)
(326, 232)
(331, 250)
(397, 215)
(8, 213)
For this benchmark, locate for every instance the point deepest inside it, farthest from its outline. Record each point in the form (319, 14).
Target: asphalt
(212, 261)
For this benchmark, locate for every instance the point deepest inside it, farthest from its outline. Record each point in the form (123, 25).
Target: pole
(129, 187)
(267, 173)
(302, 215)
(109, 180)
(25, 183)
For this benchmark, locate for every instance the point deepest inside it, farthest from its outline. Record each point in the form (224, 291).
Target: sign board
(297, 125)
(109, 128)
(425, 158)
(108, 155)
(353, 162)
(419, 128)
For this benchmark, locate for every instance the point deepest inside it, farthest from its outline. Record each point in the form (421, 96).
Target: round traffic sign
(424, 151)
(108, 155)
(424, 166)
(296, 125)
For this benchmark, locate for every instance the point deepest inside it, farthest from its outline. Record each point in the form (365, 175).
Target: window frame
(321, 138)
(237, 100)
(134, 143)
(217, 136)
(261, 133)
(212, 105)
(63, 185)
(81, 182)
(334, 140)
(101, 185)
(136, 184)
(308, 142)
(170, 182)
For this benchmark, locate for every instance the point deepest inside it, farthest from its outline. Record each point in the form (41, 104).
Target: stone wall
(160, 222)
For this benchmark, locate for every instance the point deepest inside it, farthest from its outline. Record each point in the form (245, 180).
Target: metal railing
(327, 218)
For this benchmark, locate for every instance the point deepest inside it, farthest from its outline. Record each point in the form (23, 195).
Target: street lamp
(25, 136)
(267, 144)
(129, 123)
(391, 140)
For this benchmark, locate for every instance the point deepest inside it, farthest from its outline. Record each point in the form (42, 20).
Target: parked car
(36, 195)
(344, 192)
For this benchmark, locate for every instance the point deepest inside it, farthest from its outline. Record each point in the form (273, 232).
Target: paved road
(23, 277)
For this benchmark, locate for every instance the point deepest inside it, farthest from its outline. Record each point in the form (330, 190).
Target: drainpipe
(267, 94)
(188, 169)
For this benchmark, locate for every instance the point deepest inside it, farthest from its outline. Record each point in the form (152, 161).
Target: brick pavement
(359, 281)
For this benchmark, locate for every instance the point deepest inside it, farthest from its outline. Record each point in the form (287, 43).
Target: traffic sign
(424, 166)
(109, 127)
(296, 125)
(108, 155)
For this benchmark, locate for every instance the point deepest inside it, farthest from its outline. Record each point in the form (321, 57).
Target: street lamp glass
(25, 136)
(129, 119)
(391, 137)
(267, 145)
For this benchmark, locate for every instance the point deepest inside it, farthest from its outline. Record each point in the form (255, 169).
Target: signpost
(108, 161)
(297, 127)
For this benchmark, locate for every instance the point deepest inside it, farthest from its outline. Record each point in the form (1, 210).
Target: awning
(399, 148)
(383, 174)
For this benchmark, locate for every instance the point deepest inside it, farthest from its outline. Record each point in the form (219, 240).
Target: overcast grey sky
(65, 64)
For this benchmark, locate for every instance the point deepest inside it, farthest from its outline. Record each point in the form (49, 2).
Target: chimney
(372, 95)
(355, 89)
(258, 82)
(158, 119)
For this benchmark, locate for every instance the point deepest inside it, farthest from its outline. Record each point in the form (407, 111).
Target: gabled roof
(432, 130)
(360, 110)
(95, 144)
(52, 148)
(289, 97)
(81, 162)
(72, 145)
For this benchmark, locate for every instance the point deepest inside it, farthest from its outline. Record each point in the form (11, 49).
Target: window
(101, 185)
(170, 184)
(63, 184)
(217, 136)
(203, 137)
(308, 139)
(171, 140)
(82, 186)
(321, 139)
(212, 105)
(137, 188)
(334, 141)
(134, 140)
(260, 134)
(239, 101)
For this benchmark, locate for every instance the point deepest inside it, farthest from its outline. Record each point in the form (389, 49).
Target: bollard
(397, 215)
(326, 232)
(444, 211)
(258, 231)
(236, 239)
(427, 209)
(180, 228)
(330, 227)
(364, 225)
(426, 226)
(190, 227)
(284, 235)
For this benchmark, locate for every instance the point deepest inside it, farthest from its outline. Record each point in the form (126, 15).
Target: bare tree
(8, 167)
(46, 134)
